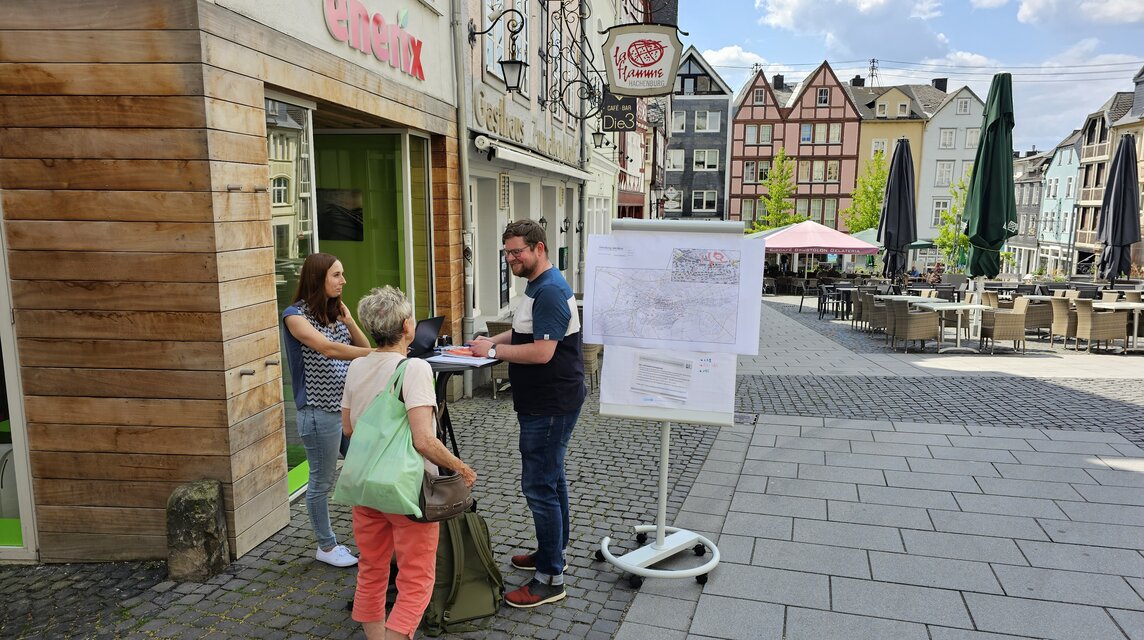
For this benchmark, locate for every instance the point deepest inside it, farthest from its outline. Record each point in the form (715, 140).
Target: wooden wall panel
(85, 15)
(73, 235)
(127, 206)
(249, 263)
(126, 296)
(259, 480)
(127, 411)
(129, 144)
(95, 45)
(260, 345)
(121, 354)
(101, 493)
(257, 400)
(262, 506)
(234, 236)
(132, 175)
(223, 115)
(112, 266)
(155, 79)
(246, 320)
(124, 383)
(277, 519)
(246, 432)
(234, 294)
(130, 467)
(100, 520)
(85, 547)
(106, 111)
(108, 325)
(89, 438)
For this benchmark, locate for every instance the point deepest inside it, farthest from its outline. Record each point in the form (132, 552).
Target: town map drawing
(694, 299)
(672, 291)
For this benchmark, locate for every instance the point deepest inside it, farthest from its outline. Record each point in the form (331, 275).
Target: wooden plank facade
(136, 218)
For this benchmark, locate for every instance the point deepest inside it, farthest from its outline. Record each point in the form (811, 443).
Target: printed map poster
(674, 290)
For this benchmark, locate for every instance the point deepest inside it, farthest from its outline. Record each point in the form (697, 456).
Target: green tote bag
(382, 469)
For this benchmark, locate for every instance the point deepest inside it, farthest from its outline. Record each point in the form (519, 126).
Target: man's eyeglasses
(515, 253)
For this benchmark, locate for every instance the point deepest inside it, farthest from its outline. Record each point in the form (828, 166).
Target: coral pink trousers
(379, 536)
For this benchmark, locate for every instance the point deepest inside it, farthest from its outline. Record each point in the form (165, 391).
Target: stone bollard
(197, 545)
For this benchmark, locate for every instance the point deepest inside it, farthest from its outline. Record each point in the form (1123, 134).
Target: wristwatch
(492, 352)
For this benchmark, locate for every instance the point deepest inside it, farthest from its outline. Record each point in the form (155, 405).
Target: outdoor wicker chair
(1007, 324)
(1104, 326)
(1072, 294)
(1037, 317)
(856, 310)
(1064, 321)
(1132, 296)
(1109, 296)
(590, 357)
(914, 325)
(873, 313)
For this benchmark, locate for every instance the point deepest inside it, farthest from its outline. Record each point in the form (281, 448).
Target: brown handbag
(443, 496)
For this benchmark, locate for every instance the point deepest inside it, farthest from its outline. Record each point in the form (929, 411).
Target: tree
(866, 208)
(951, 239)
(778, 207)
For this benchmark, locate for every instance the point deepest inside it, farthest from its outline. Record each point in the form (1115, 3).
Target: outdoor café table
(904, 297)
(960, 308)
(1037, 298)
(1135, 308)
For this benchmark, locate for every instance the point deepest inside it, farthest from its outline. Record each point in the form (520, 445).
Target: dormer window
(824, 97)
(881, 110)
(903, 109)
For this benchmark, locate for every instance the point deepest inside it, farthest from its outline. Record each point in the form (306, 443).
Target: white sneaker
(339, 556)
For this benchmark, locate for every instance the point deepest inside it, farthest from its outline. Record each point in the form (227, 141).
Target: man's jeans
(321, 433)
(543, 443)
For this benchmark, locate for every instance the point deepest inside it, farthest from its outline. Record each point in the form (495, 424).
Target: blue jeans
(321, 433)
(543, 443)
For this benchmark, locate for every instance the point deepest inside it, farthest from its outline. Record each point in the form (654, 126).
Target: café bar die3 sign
(642, 59)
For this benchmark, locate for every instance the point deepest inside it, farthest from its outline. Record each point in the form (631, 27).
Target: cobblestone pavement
(279, 591)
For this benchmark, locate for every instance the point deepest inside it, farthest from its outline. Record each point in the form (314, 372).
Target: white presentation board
(674, 301)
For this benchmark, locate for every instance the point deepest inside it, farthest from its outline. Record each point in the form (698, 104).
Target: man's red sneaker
(534, 594)
(527, 561)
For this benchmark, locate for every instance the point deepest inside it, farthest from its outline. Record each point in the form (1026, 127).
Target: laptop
(425, 337)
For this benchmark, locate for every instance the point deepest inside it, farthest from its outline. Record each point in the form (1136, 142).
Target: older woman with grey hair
(387, 317)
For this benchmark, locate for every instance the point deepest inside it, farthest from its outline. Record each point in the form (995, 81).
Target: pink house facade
(818, 126)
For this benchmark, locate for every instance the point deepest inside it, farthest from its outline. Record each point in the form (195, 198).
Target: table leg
(957, 339)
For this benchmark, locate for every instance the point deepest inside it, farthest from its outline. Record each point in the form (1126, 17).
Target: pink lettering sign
(350, 21)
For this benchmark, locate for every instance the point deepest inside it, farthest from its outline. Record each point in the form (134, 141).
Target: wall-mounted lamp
(564, 226)
(512, 69)
(543, 223)
(600, 139)
(580, 225)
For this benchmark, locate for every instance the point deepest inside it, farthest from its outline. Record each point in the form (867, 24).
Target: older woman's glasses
(515, 253)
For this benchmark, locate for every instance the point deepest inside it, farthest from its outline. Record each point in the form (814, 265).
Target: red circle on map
(645, 53)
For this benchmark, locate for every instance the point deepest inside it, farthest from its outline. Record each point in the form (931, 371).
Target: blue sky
(1066, 56)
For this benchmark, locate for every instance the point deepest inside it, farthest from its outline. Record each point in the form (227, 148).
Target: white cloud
(854, 28)
(1113, 12)
(733, 64)
(988, 4)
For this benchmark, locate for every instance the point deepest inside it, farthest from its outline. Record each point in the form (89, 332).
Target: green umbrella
(990, 203)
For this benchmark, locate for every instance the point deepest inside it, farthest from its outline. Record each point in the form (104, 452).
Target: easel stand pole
(638, 562)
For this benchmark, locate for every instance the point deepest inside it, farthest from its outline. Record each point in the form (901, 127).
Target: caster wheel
(699, 549)
(701, 579)
(599, 555)
(635, 581)
(641, 538)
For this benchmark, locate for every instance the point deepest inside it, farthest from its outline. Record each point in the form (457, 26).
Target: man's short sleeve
(550, 314)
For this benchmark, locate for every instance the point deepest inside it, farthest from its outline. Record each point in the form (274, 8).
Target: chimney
(940, 84)
(857, 81)
(777, 81)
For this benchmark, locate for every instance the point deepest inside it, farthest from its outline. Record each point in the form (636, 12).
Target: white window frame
(972, 136)
(705, 160)
(749, 171)
(703, 193)
(837, 170)
(747, 209)
(280, 190)
(676, 160)
(816, 210)
(876, 145)
(806, 133)
(820, 133)
(940, 206)
(947, 138)
(823, 99)
(803, 171)
(678, 121)
(764, 170)
(881, 110)
(800, 206)
(830, 206)
(707, 117)
(1068, 187)
(943, 174)
(903, 109)
(759, 96)
(770, 132)
(962, 106)
(818, 171)
(834, 136)
(751, 135)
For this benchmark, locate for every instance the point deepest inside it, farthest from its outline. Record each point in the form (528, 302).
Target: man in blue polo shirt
(547, 376)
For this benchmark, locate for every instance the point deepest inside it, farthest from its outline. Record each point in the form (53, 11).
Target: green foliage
(1008, 260)
(951, 239)
(777, 203)
(866, 208)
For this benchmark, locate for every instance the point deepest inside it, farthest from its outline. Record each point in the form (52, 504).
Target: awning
(529, 159)
(631, 199)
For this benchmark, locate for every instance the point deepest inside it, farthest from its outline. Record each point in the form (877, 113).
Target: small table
(1040, 298)
(1135, 308)
(907, 298)
(960, 308)
(444, 371)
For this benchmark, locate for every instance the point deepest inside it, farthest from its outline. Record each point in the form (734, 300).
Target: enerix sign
(350, 21)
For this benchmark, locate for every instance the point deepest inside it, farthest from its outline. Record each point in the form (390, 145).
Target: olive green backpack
(468, 585)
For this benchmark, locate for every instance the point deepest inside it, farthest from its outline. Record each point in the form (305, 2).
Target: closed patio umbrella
(1119, 225)
(898, 226)
(990, 203)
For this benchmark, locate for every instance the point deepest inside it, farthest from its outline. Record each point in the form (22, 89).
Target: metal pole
(661, 516)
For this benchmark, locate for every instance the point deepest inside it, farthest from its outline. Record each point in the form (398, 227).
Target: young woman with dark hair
(321, 338)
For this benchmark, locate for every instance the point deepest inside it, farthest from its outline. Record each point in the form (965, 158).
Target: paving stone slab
(737, 619)
(779, 505)
(764, 584)
(985, 524)
(1060, 460)
(812, 558)
(1033, 507)
(1132, 622)
(812, 489)
(776, 454)
(658, 611)
(1047, 474)
(1068, 586)
(807, 624)
(944, 573)
(1055, 620)
(864, 461)
(903, 497)
(878, 514)
(945, 633)
(815, 444)
(967, 453)
(1112, 495)
(770, 468)
(962, 547)
(981, 442)
(1083, 436)
(1116, 478)
(899, 602)
(924, 427)
(933, 481)
(759, 525)
(837, 434)
(841, 474)
(1077, 557)
(936, 439)
(1098, 535)
(1108, 513)
(1072, 446)
(858, 536)
(951, 467)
